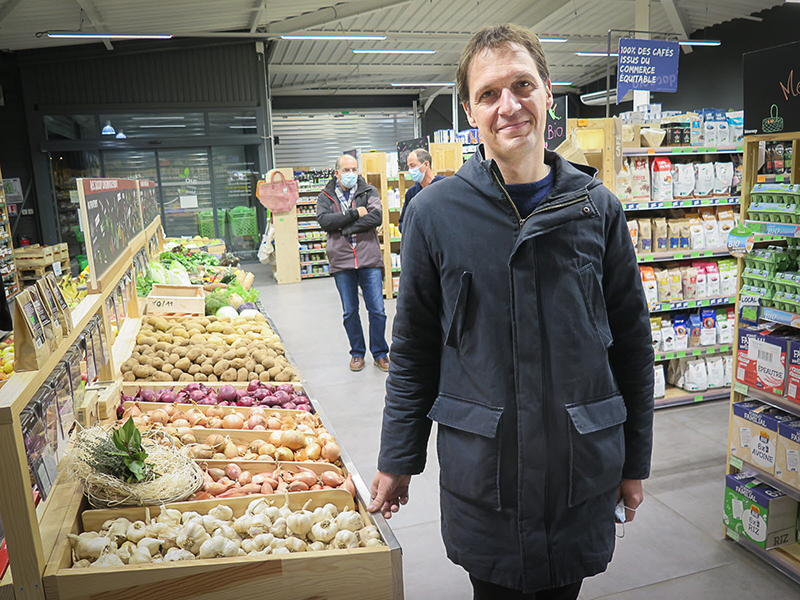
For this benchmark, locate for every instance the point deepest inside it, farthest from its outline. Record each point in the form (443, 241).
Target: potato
(160, 323)
(186, 377)
(251, 376)
(157, 363)
(228, 330)
(259, 356)
(250, 365)
(259, 369)
(194, 353)
(194, 369)
(182, 341)
(144, 360)
(161, 376)
(228, 375)
(242, 375)
(161, 354)
(273, 371)
(209, 350)
(193, 331)
(241, 351)
(213, 378)
(285, 375)
(183, 364)
(221, 366)
(272, 353)
(229, 355)
(200, 377)
(208, 368)
(180, 351)
(215, 340)
(129, 376)
(167, 367)
(173, 358)
(175, 374)
(197, 339)
(148, 351)
(145, 340)
(166, 338)
(268, 362)
(237, 363)
(214, 328)
(264, 376)
(204, 321)
(128, 365)
(143, 371)
(161, 346)
(231, 339)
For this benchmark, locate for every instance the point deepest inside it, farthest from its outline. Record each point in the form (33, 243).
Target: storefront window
(185, 189)
(130, 164)
(240, 122)
(235, 175)
(155, 125)
(71, 127)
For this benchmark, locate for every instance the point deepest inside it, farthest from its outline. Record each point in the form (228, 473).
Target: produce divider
(40, 553)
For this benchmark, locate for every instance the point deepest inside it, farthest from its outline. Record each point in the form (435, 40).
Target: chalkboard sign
(772, 90)
(111, 217)
(148, 196)
(405, 147)
(556, 129)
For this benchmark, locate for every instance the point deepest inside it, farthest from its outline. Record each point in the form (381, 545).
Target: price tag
(749, 309)
(740, 388)
(736, 463)
(733, 535)
(57, 269)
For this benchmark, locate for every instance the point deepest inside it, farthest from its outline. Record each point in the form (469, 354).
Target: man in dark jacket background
(523, 331)
(349, 210)
(420, 169)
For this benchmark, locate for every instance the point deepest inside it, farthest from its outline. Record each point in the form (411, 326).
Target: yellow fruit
(8, 367)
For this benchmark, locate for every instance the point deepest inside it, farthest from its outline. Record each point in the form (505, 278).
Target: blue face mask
(349, 180)
(416, 174)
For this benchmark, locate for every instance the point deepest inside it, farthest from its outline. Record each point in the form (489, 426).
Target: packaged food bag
(655, 333)
(645, 245)
(727, 362)
(650, 284)
(625, 182)
(703, 179)
(667, 335)
(674, 234)
(689, 278)
(711, 231)
(682, 180)
(695, 330)
(640, 179)
(708, 334)
(702, 288)
(664, 289)
(661, 178)
(712, 280)
(681, 326)
(724, 327)
(633, 229)
(723, 178)
(686, 234)
(660, 235)
(675, 284)
(715, 369)
(725, 222)
(696, 377)
(697, 236)
(660, 384)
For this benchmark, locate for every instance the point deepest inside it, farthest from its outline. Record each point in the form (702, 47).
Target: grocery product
(787, 453)
(766, 516)
(754, 433)
(257, 393)
(661, 178)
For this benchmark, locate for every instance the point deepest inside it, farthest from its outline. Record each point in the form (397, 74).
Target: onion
(300, 455)
(308, 478)
(331, 451)
(215, 423)
(227, 393)
(284, 454)
(132, 411)
(267, 450)
(216, 474)
(192, 387)
(188, 438)
(259, 394)
(332, 478)
(245, 401)
(289, 405)
(159, 416)
(282, 397)
(325, 438)
(349, 485)
(233, 471)
(253, 385)
(241, 393)
(230, 451)
(294, 440)
(298, 486)
(273, 423)
(245, 478)
(286, 387)
(313, 451)
(275, 438)
(216, 441)
(171, 410)
(266, 488)
(259, 428)
(215, 411)
(147, 395)
(216, 488)
(181, 423)
(254, 420)
(167, 395)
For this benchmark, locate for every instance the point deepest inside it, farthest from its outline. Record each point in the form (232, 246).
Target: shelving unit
(8, 266)
(682, 150)
(787, 558)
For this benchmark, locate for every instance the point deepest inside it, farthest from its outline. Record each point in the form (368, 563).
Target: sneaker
(382, 363)
(356, 363)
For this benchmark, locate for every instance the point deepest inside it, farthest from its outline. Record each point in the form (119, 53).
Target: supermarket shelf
(780, 402)
(780, 316)
(397, 210)
(307, 215)
(317, 251)
(670, 150)
(313, 275)
(684, 304)
(395, 269)
(309, 191)
(306, 203)
(469, 148)
(702, 351)
(395, 240)
(678, 397)
(660, 256)
(306, 228)
(784, 487)
(685, 202)
(314, 262)
(780, 558)
(779, 229)
(317, 238)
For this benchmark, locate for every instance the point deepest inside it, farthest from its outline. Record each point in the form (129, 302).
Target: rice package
(624, 181)
(723, 178)
(715, 369)
(712, 280)
(703, 179)
(696, 376)
(640, 179)
(708, 334)
(650, 284)
(682, 180)
(660, 383)
(633, 229)
(645, 244)
(697, 236)
(661, 178)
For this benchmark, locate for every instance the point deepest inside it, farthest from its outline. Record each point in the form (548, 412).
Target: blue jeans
(371, 282)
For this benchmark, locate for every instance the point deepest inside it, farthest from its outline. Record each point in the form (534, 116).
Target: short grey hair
(339, 160)
(423, 156)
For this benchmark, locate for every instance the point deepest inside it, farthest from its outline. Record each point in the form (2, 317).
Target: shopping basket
(205, 223)
(243, 221)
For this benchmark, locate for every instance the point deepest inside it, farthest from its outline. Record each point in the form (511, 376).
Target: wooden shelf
(678, 397)
(786, 559)
(780, 402)
(792, 492)
(313, 275)
(681, 150)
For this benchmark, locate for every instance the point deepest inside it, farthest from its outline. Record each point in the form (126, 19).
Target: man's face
(413, 162)
(347, 164)
(508, 101)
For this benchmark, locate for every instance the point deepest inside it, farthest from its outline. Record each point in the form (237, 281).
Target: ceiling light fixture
(603, 54)
(161, 126)
(425, 84)
(104, 36)
(552, 40)
(366, 51)
(560, 83)
(699, 42)
(357, 38)
(121, 136)
(108, 129)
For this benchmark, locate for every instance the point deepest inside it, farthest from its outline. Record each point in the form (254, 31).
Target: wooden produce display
(180, 299)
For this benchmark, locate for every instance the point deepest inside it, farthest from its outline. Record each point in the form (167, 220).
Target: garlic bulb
(211, 524)
(332, 510)
(153, 545)
(257, 506)
(350, 520)
(136, 531)
(82, 564)
(191, 537)
(370, 532)
(108, 560)
(118, 531)
(189, 515)
(295, 544)
(317, 546)
(320, 514)
(373, 542)
(283, 550)
(124, 551)
(345, 539)
(217, 547)
(273, 512)
(140, 556)
(226, 531)
(154, 529)
(277, 543)
(278, 528)
(260, 524)
(170, 516)
(90, 546)
(169, 537)
(299, 523)
(176, 554)
(221, 512)
(324, 531)
(242, 524)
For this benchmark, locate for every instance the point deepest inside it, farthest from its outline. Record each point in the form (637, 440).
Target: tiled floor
(673, 551)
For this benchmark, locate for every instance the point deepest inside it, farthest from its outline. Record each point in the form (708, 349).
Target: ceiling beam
(9, 8)
(677, 22)
(330, 13)
(259, 9)
(95, 19)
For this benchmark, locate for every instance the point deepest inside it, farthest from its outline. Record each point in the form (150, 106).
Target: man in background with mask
(421, 172)
(349, 210)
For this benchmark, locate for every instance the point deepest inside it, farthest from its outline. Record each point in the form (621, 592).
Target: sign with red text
(772, 90)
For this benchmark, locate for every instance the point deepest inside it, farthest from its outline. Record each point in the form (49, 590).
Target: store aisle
(673, 549)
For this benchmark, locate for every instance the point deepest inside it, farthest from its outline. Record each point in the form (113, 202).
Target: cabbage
(227, 311)
(247, 306)
(249, 313)
(177, 275)
(157, 272)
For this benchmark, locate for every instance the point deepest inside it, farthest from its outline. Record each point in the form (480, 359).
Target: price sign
(749, 309)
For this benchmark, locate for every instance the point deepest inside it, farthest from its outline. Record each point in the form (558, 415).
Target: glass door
(185, 180)
(235, 176)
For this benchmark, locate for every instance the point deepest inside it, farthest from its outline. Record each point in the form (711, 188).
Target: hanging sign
(556, 129)
(740, 241)
(648, 65)
(772, 90)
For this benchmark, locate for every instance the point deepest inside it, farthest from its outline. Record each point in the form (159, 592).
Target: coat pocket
(597, 447)
(595, 303)
(456, 328)
(468, 445)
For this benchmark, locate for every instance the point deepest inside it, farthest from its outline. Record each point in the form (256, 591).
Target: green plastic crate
(205, 223)
(83, 261)
(242, 220)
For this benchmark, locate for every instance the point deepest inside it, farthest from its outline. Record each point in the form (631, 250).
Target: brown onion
(284, 454)
(267, 449)
(349, 486)
(184, 430)
(256, 444)
(313, 451)
(273, 423)
(188, 438)
(132, 411)
(300, 455)
(216, 441)
(275, 438)
(159, 416)
(214, 423)
(215, 411)
(231, 451)
(170, 409)
(259, 478)
(181, 423)
(232, 421)
(293, 439)
(324, 438)
(332, 478)
(331, 451)
(216, 488)
(219, 456)
(316, 486)
(216, 474)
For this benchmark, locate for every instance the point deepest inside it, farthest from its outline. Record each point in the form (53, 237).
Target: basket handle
(773, 111)
(276, 172)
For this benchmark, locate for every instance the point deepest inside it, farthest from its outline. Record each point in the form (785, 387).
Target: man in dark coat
(522, 330)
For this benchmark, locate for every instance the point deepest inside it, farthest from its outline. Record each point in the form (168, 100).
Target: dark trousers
(371, 283)
(484, 590)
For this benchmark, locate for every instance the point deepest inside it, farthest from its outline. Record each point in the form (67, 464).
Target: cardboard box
(765, 516)
(754, 433)
(762, 357)
(793, 373)
(787, 453)
(185, 299)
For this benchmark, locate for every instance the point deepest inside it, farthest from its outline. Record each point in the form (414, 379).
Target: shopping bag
(266, 249)
(278, 194)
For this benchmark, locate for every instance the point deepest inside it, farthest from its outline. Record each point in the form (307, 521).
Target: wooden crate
(186, 299)
(61, 252)
(374, 573)
(34, 256)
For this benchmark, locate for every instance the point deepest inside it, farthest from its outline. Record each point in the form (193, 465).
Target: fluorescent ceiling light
(425, 84)
(365, 51)
(108, 129)
(107, 36)
(153, 118)
(238, 117)
(362, 38)
(596, 54)
(699, 42)
(242, 126)
(552, 40)
(160, 126)
(560, 83)
(121, 136)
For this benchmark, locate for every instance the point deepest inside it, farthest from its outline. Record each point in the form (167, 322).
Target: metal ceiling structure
(331, 67)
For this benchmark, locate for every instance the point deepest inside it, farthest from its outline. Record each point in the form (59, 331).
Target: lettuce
(157, 272)
(177, 275)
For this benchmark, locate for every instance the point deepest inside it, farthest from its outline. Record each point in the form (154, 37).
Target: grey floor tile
(707, 418)
(657, 546)
(678, 448)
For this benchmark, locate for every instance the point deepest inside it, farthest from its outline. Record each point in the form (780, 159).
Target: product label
(34, 324)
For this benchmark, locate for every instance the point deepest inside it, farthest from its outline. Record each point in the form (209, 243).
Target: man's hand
(632, 495)
(388, 492)
(362, 211)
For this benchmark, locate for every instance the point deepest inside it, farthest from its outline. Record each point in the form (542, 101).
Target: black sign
(772, 90)
(405, 147)
(556, 130)
(148, 195)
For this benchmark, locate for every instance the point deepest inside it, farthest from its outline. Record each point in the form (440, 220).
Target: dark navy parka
(528, 343)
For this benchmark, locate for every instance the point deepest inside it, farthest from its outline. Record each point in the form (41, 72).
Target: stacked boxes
(764, 515)
(787, 453)
(763, 356)
(754, 433)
